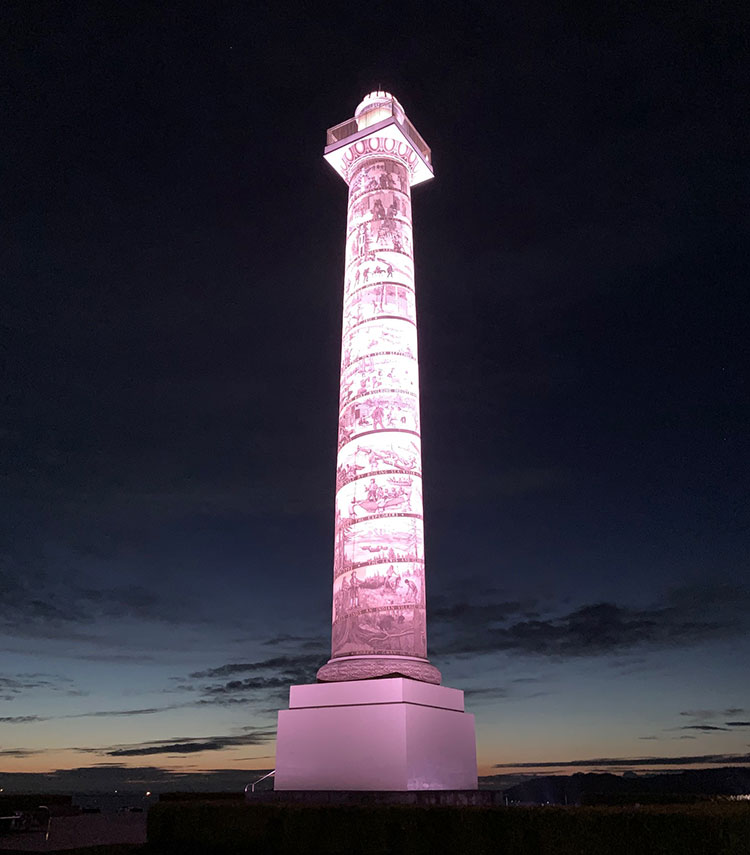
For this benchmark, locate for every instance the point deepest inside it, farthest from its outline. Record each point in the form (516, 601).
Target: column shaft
(378, 622)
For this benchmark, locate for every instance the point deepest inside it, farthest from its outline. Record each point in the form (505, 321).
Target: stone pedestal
(386, 734)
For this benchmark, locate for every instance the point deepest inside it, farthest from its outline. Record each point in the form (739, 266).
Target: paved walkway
(70, 832)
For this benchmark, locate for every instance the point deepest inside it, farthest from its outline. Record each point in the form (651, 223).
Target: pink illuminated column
(378, 624)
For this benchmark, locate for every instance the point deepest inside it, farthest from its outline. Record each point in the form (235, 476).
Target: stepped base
(390, 734)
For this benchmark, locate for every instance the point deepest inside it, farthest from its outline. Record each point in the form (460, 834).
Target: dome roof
(376, 100)
(377, 106)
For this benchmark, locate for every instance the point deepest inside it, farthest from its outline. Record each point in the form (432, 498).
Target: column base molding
(370, 668)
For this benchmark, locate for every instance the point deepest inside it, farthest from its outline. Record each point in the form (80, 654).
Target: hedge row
(109, 849)
(716, 829)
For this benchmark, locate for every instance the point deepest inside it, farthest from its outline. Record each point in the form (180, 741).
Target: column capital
(379, 128)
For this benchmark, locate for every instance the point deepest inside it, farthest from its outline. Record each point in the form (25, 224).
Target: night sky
(172, 271)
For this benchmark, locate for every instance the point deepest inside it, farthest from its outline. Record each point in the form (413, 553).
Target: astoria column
(378, 621)
(378, 718)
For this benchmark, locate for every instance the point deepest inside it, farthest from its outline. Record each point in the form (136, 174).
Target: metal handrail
(252, 786)
(416, 138)
(341, 131)
(49, 821)
(350, 127)
(23, 820)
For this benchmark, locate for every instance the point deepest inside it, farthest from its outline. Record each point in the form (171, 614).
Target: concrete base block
(387, 734)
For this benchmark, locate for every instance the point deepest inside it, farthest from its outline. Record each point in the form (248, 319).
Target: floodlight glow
(378, 621)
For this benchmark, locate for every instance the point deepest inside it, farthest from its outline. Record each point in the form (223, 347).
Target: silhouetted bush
(225, 796)
(646, 799)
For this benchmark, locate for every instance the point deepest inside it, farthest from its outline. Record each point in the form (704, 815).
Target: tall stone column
(378, 621)
(378, 718)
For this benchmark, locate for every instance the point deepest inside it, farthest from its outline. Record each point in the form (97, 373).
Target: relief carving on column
(379, 621)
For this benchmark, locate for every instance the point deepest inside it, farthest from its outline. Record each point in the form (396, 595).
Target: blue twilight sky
(172, 281)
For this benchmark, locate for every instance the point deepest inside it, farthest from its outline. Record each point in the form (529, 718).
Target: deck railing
(348, 128)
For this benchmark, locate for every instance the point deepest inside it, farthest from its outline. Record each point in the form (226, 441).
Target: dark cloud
(19, 752)
(42, 604)
(194, 745)
(712, 759)
(278, 663)
(699, 713)
(170, 748)
(248, 684)
(679, 620)
(737, 723)
(114, 657)
(303, 642)
(21, 719)
(703, 714)
(704, 728)
(11, 686)
(490, 692)
(280, 673)
(27, 719)
(125, 713)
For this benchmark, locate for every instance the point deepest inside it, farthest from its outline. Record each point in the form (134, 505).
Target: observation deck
(379, 114)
